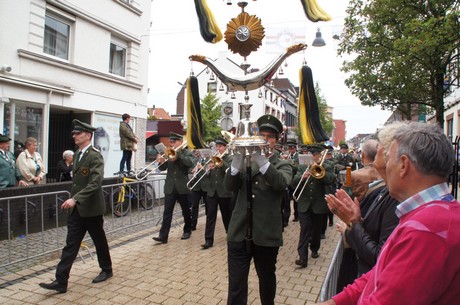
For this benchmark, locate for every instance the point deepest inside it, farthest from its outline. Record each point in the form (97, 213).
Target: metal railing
(33, 226)
(329, 287)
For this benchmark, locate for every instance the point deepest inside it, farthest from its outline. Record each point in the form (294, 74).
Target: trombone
(216, 159)
(316, 171)
(169, 154)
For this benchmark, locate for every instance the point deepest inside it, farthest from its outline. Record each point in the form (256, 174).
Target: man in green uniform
(175, 188)
(269, 178)
(217, 194)
(9, 173)
(312, 204)
(86, 206)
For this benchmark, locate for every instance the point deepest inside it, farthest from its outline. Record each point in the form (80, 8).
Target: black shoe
(194, 228)
(314, 254)
(295, 219)
(331, 224)
(206, 245)
(186, 235)
(285, 224)
(323, 236)
(301, 263)
(103, 276)
(160, 240)
(55, 285)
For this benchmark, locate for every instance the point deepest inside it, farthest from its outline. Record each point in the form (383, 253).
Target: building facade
(74, 59)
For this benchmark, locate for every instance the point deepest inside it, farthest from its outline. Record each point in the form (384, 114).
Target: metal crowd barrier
(33, 227)
(329, 287)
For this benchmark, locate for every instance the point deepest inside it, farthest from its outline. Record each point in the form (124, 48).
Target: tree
(210, 115)
(402, 49)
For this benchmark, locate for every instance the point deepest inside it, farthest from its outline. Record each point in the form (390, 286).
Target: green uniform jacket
(314, 192)
(9, 172)
(177, 175)
(127, 136)
(199, 186)
(87, 183)
(213, 182)
(267, 191)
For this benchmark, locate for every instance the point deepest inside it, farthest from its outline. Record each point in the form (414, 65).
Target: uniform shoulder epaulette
(95, 149)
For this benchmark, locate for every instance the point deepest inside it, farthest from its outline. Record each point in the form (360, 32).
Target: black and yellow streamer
(208, 26)
(194, 121)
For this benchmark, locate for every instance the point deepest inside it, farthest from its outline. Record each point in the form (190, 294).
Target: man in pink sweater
(419, 263)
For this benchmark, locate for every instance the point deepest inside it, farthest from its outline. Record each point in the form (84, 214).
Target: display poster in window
(107, 141)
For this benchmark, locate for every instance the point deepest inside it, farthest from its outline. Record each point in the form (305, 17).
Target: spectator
(64, 167)
(418, 264)
(128, 143)
(30, 163)
(9, 173)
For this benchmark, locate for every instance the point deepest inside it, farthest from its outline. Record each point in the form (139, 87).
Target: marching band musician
(312, 205)
(217, 193)
(175, 188)
(293, 156)
(269, 178)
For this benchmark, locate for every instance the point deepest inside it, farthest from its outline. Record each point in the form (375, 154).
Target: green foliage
(401, 51)
(210, 115)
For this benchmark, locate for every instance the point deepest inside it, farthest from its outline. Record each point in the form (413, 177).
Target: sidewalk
(178, 272)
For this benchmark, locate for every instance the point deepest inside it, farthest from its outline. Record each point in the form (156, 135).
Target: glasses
(268, 135)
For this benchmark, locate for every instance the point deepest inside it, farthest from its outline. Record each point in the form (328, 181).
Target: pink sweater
(418, 265)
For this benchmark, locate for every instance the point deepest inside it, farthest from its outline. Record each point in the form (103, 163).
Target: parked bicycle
(132, 192)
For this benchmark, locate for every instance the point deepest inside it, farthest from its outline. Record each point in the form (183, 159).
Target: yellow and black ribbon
(310, 124)
(194, 121)
(208, 26)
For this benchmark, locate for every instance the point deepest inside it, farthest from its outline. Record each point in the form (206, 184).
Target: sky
(175, 36)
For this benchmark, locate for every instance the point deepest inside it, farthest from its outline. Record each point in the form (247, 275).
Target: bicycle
(132, 192)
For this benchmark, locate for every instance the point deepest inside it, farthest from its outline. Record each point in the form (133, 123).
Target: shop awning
(148, 134)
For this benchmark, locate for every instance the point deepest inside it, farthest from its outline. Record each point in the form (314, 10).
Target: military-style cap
(315, 148)
(291, 142)
(79, 126)
(304, 147)
(4, 138)
(270, 123)
(344, 146)
(175, 136)
(280, 143)
(221, 140)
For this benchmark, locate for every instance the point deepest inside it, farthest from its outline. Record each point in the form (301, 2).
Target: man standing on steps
(87, 207)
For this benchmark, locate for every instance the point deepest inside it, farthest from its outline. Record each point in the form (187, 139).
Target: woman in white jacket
(30, 163)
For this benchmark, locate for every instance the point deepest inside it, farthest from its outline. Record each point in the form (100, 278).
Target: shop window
(26, 121)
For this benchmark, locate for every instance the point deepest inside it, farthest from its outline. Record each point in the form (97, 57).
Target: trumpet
(169, 154)
(316, 171)
(215, 159)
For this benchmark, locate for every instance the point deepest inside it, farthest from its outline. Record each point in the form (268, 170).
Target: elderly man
(419, 262)
(9, 173)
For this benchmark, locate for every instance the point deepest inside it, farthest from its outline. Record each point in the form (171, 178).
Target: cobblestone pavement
(178, 272)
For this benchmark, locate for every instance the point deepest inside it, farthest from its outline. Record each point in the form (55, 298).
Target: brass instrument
(216, 159)
(170, 154)
(316, 171)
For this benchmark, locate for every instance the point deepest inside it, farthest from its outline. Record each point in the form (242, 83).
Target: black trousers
(194, 202)
(212, 203)
(77, 227)
(310, 233)
(170, 202)
(238, 270)
(126, 159)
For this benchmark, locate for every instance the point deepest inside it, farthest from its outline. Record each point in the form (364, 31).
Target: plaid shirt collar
(435, 192)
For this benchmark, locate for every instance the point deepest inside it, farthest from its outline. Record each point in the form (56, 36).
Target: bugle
(316, 171)
(170, 154)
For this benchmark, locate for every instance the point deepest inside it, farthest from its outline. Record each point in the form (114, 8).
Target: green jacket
(177, 175)
(87, 183)
(267, 191)
(213, 182)
(127, 136)
(315, 190)
(9, 173)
